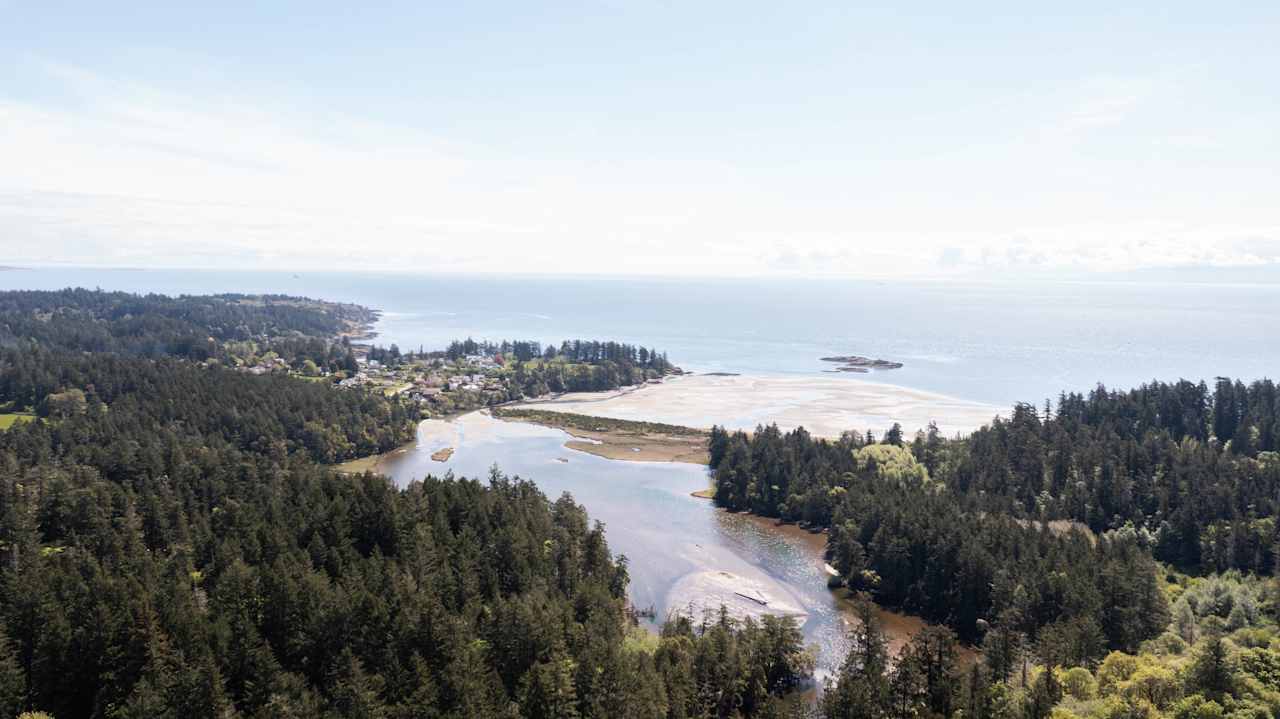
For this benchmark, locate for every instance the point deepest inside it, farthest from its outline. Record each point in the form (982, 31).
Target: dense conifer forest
(188, 326)
(572, 366)
(1053, 539)
(172, 544)
(594, 352)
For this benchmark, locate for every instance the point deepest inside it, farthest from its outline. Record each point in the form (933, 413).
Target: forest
(175, 570)
(512, 370)
(1124, 541)
(593, 352)
(1193, 470)
(594, 370)
(189, 326)
(230, 329)
(174, 543)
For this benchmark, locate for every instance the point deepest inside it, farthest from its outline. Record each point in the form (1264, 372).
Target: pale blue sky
(699, 138)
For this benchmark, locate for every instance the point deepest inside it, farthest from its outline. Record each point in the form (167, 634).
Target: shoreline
(610, 444)
(900, 627)
(373, 462)
(626, 440)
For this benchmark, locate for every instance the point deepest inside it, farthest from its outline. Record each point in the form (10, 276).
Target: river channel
(684, 554)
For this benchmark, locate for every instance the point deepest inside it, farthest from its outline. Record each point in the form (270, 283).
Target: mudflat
(825, 406)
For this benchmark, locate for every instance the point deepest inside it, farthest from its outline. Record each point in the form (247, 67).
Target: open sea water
(998, 342)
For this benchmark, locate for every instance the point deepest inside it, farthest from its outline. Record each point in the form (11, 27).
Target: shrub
(1196, 707)
(1152, 683)
(1167, 644)
(1078, 683)
(1116, 668)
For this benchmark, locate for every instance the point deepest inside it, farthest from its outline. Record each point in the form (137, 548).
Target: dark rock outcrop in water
(858, 363)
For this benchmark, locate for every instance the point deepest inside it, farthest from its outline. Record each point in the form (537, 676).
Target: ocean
(997, 342)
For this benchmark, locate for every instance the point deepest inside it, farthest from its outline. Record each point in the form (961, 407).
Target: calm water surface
(650, 517)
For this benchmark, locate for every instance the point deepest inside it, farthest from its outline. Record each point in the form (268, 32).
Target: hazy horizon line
(1262, 274)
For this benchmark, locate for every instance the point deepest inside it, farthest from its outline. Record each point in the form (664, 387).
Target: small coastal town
(465, 376)
(423, 379)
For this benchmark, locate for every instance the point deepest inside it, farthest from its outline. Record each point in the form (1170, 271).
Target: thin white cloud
(1107, 101)
(136, 175)
(1121, 248)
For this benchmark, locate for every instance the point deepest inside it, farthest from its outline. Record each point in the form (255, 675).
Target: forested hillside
(100, 403)
(1194, 471)
(897, 532)
(172, 544)
(1038, 538)
(189, 326)
(305, 594)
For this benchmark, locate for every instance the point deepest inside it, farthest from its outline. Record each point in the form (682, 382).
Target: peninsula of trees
(469, 374)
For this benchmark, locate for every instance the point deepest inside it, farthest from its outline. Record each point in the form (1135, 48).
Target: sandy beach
(826, 406)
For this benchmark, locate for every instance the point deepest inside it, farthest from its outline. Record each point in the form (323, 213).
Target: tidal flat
(825, 406)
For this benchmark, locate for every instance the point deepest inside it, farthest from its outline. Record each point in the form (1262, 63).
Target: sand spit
(618, 439)
(826, 406)
(702, 593)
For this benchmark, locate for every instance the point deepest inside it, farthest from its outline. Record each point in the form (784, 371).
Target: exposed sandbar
(703, 593)
(372, 463)
(825, 406)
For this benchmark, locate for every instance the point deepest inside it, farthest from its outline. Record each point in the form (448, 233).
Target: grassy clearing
(639, 639)
(617, 438)
(595, 424)
(359, 466)
(8, 419)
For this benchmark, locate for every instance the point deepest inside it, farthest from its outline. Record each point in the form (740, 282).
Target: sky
(696, 138)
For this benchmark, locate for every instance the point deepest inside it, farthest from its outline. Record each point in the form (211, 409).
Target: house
(359, 379)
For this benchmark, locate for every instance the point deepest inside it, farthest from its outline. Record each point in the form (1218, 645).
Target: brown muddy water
(684, 554)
